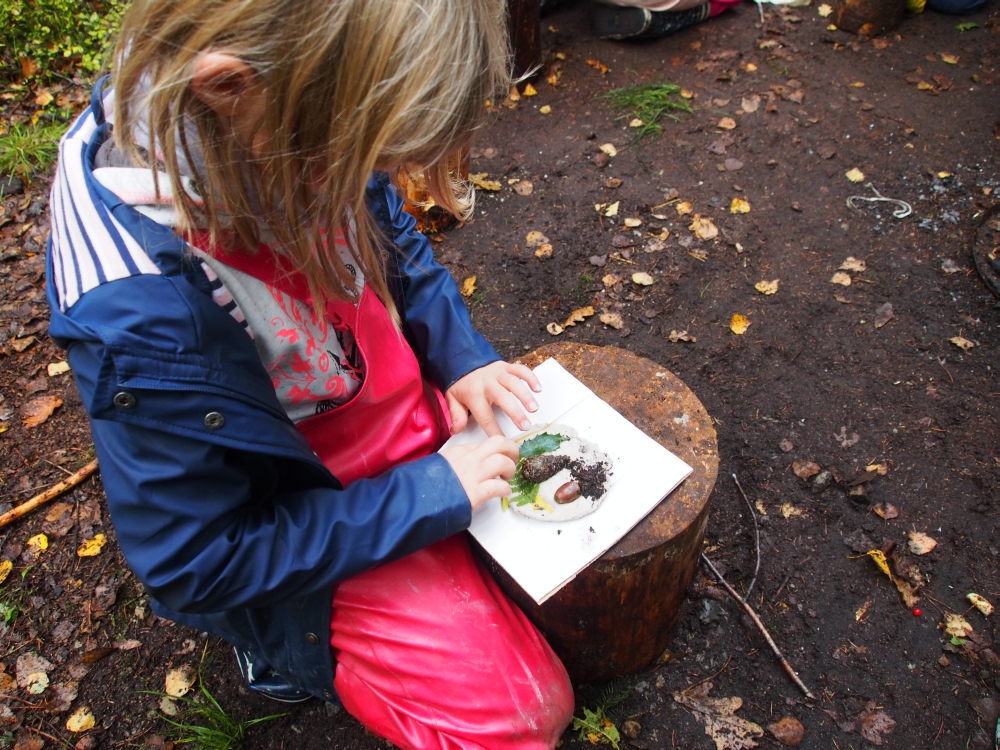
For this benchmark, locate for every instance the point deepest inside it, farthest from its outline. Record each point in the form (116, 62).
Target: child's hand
(480, 466)
(497, 383)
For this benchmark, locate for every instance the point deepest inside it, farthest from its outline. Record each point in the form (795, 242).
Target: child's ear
(226, 84)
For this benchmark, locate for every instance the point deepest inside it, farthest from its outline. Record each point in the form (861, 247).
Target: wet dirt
(814, 378)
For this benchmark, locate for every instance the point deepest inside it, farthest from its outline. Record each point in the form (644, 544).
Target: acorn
(536, 469)
(567, 493)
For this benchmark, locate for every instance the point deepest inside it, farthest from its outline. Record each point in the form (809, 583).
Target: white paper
(544, 556)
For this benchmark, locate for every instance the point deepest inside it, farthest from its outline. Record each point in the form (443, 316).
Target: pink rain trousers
(431, 654)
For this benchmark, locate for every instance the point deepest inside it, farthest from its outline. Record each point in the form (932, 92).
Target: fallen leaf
(880, 469)
(788, 731)
(862, 611)
(21, 345)
(726, 123)
(805, 469)
(610, 279)
(612, 182)
(545, 251)
(523, 187)
(609, 149)
(179, 680)
(469, 286)
(858, 85)
(853, 264)
(824, 10)
(578, 316)
(82, 720)
(643, 279)
(44, 97)
(128, 645)
(32, 672)
(5, 567)
(920, 543)
(682, 336)
(683, 208)
(949, 266)
(598, 65)
(480, 181)
(739, 324)
(888, 511)
(38, 410)
(554, 328)
(956, 625)
(855, 175)
(169, 706)
(786, 445)
(29, 742)
(529, 90)
(981, 604)
(733, 165)
(37, 544)
(841, 278)
(688, 94)
(63, 695)
(788, 510)
(635, 122)
(612, 319)
(873, 724)
(826, 150)
(750, 103)
(962, 343)
(739, 206)
(727, 730)
(514, 95)
(703, 228)
(884, 314)
(767, 287)
(544, 110)
(535, 239)
(945, 57)
(632, 222)
(598, 260)
(91, 547)
(751, 68)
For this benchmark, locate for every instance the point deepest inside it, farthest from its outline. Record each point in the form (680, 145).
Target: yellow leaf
(767, 287)
(554, 328)
(632, 222)
(841, 278)
(91, 547)
(636, 123)
(944, 175)
(612, 319)
(881, 469)
(610, 279)
(726, 123)
(469, 286)
(612, 209)
(981, 604)
(956, 625)
(578, 316)
(855, 175)
(739, 206)
(545, 251)
(44, 98)
(58, 368)
(598, 65)
(82, 720)
(739, 325)
(788, 510)
(535, 239)
(642, 278)
(514, 96)
(853, 264)
(179, 680)
(751, 68)
(925, 86)
(962, 343)
(5, 567)
(684, 208)
(920, 543)
(949, 58)
(824, 10)
(480, 181)
(529, 90)
(38, 543)
(540, 504)
(858, 84)
(544, 110)
(609, 149)
(831, 27)
(688, 94)
(879, 557)
(703, 228)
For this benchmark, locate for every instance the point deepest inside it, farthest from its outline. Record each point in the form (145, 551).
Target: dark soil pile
(886, 384)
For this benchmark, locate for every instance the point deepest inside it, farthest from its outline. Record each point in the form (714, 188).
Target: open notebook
(543, 556)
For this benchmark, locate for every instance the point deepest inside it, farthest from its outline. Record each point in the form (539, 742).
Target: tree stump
(869, 17)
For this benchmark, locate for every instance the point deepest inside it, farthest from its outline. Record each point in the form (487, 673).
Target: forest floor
(883, 383)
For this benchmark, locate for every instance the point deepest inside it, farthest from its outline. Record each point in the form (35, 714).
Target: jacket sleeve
(207, 528)
(437, 320)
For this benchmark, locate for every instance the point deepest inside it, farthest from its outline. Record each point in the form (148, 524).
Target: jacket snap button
(214, 420)
(312, 639)
(124, 400)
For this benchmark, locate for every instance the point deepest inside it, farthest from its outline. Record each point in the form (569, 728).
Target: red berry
(916, 612)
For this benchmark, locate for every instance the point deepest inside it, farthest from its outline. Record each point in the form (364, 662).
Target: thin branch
(760, 626)
(49, 494)
(756, 530)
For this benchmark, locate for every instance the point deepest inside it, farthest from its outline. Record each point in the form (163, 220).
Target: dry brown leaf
(684, 208)
(980, 603)
(805, 469)
(789, 511)
(750, 103)
(920, 543)
(554, 328)
(788, 730)
(609, 149)
(727, 730)
(635, 122)
(612, 182)
(598, 66)
(632, 222)
(612, 210)
(726, 123)
(179, 680)
(21, 345)
(739, 324)
(612, 319)
(888, 511)
(469, 286)
(545, 251)
(949, 58)
(703, 228)
(962, 342)
(578, 316)
(739, 206)
(767, 287)
(681, 336)
(643, 279)
(956, 625)
(523, 187)
(855, 175)
(853, 264)
(841, 278)
(884, 314)
(873, 724)
(57, 368)
(610, 279)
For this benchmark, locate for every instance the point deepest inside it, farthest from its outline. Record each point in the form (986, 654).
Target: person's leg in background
(956, 7)
(432, 655)
(651, 19)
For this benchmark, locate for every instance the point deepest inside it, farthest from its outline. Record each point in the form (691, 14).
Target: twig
(756, 533)
(49, 494)
(710, 677)
(760, 626)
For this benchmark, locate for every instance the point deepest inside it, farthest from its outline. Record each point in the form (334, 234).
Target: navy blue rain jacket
(220, 506)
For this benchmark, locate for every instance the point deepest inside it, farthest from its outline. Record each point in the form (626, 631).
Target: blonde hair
(351, 86)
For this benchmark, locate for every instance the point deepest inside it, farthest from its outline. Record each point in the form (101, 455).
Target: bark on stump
(869, 17)
(619, 614)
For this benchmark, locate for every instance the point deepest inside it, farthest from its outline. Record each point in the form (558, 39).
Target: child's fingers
(525, 374)
(505, 448)
(459, 414)
(488, 489)
(483, 413)
(510, 404)
(516, 386)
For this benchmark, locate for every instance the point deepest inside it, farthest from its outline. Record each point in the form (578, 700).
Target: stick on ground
(49, 494)
(760, 626)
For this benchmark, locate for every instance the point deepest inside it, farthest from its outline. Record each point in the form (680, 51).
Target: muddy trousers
(431, 654)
